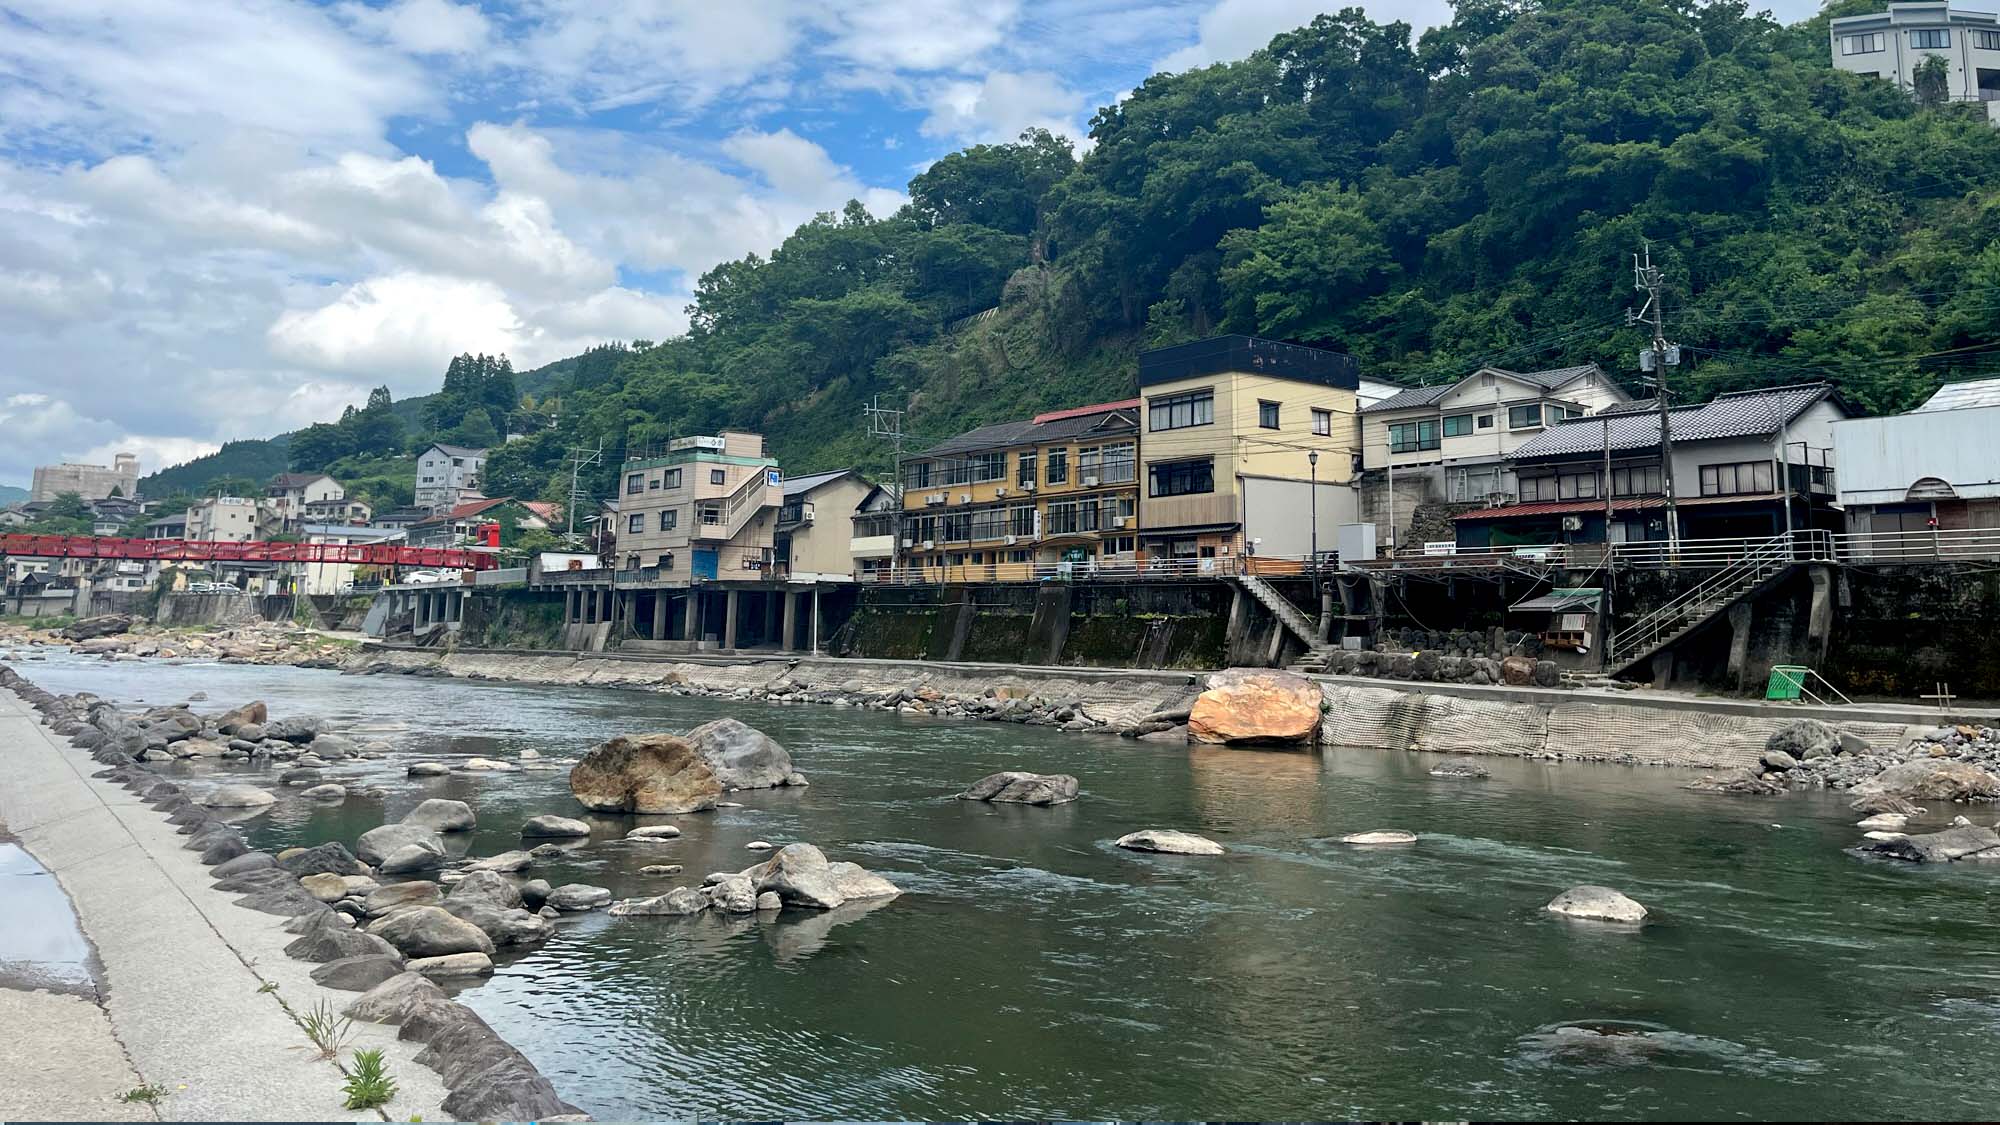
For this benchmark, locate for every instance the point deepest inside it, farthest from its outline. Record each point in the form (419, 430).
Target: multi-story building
(288, 494)
(89, 482)
(1009, 501)
(1892, 44)
(1933, 469)
(705, 509)
(1249, 446)
(814, 541)
(873, 542)
(222, 519)
(340, 509)
(448, 476)
(1738, 462)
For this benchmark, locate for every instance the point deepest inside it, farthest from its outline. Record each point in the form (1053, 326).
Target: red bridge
(181, 550)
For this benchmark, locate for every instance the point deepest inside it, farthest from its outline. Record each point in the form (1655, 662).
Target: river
(1032, 970)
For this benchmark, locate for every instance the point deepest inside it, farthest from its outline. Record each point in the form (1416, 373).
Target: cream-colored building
(815, 535)
(704, 510)
(1240, 440)
(89, 482)
(289, 494)
(223, 519)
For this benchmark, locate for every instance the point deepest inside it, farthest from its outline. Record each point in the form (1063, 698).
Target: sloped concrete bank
(1564, 727)
(172, 948)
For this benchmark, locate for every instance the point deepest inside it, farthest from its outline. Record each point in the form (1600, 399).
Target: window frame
(673, 478)
(1268, 414)
(1863, 43)
(1540, 422)
(635, 484)
(1465, 425)
(1322, 419)
(1058, 466)
(1414, 439)
(718, 476)
(1986, 40)
(1200, 410)
(670, 518)
(1025, 468)
(1191, 477)
(635, 523)
(1712, 477)
(1943, 35)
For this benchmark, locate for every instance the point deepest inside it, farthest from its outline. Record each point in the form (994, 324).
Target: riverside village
(1164, 562)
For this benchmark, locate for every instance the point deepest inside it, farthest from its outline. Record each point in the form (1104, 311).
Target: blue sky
(230, 218)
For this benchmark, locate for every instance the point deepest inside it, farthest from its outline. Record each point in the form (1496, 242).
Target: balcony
(795, 514)
(1197, 510)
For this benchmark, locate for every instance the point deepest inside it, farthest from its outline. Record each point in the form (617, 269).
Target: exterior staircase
(1698, 606)
(1318, 653)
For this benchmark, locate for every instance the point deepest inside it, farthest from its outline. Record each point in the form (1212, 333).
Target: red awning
(1635, 504)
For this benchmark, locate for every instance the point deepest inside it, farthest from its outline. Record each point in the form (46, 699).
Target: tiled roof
(799, 486)
(295, 480)
(1008, 434)
(1734, 415)
(467, 511)
(1424, 396)
(456, 450)
(543, 509)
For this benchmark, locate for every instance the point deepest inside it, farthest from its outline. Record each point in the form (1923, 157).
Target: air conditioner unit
(1000, 492)
(930, 544)
(1118, 521)
(934, 498)
(1090, 482)
(909, 543)
(965, 497)
(1572, 523)
(1013, 539)
(1027, 486)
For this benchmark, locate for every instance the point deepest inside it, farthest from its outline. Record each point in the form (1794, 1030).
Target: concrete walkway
(191, 983)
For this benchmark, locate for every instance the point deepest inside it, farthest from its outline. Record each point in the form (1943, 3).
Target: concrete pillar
(693, 632)
(660, 615)
(729, 621)
(1819, 618)
(1739, 642)
(790, 635)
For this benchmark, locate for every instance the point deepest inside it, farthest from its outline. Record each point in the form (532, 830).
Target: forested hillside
(1473, 197)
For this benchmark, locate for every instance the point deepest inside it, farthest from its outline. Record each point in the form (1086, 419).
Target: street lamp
(1312, 463)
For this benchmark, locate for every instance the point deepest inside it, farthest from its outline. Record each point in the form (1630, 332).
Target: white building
(288, 494)
(89, 482)
(336, 577)
(448, 476)
(1937, 463)
(222, 519)
(1894, 43)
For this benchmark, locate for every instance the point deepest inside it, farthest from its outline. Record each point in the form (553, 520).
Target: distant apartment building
(814, 540)
(1012, 499)
(1243, 440)
(448, 476)
(704, 509)
(89, 482)
(288, 495)
(340, 509)
(223, 519)
(1893, 43)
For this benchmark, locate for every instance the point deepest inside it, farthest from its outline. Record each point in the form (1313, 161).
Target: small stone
(760, 845)
(1380, 836)
(547, 851)
(328, 792)
(428, 769)
(1596, 903)
(769, 900)
(1779, 760)
(238, 797)
(441, 815)
(1883, 822)
(1461, 771)
(488, 765)
(660, 869)
(1169, 841)
(557, 826)
(452, 965)
(506, 861)
(653, 832)
(578, 897)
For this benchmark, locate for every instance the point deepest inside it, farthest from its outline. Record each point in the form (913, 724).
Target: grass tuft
(369, 1084)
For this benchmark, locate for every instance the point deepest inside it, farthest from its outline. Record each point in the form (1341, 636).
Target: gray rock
(1938, 847)
(1872, 803)
(238, 797)
(857, 882)
(516, 860)
(393, 999)
(304, 775)
(330, 857)
(800, 875)
(376, 844)
(428, 769)
(680, 900)
(554, 826)
(328, 792)
(452, 965)
(441, 815)
(244, 864)
(329, 888)
(329, 941)
(360, 973)
(1461, 771)
(741, 756)
(411, 859)
(1743, 782)
(535, 892)
(486, 886)
(654, 832)
(1017, 787)
(505, 925)
(1779, 760)
(734, 895)
(295, 731)
(577, 897)
(769, 900)
(401, 896)
(1170, 841)
(429, 931)
(1803, 740)
(547, 851)
(1596, 903)
(660, 869)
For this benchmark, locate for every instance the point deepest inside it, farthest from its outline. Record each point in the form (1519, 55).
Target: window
(665, 562)
(1021, 520)
(1063, 518)
(718, 476)
(1058, 466)
(711, 514)
(1737, 479)
(634, 484)
(1984, 40)
(1473, 485)
(987, 466)
(1322, 422)
(1267, 415)
(990, 523)
(1121, 463)
(673, 478)
(1486, 421)
(1181, 478)
(1412, 437)
(1537, 488)
(1524, 417)
(1642, 480)
(653, 484)
(1025, 475)
(670, 518)
(1576, 486)
(635, 523)
(1458, 425)
(1930, 37)
(458, 462)
(917, 474)
(1178, 412)
(955, 527)
(1861, 44)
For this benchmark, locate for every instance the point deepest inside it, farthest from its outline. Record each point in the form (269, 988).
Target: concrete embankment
(188, 1003)
(1627, 728)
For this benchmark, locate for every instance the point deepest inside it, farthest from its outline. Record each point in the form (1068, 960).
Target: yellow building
(1055, 494)
(1242, 439)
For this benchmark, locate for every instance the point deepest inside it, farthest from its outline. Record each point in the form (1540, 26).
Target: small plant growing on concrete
(369, 1084)
(327, 1030)
(150, 1094)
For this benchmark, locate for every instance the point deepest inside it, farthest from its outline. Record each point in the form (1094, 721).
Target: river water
(1032, 970)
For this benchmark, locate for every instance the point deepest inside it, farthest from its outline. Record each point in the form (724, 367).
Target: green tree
(1932, 80)
(995, 186)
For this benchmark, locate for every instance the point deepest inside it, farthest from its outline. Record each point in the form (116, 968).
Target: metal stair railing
(1692, 607)
(1285, 610)
(738, 508)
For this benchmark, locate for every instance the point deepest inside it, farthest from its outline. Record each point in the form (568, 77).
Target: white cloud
(424, 27)
(920, 35)
(401, 322)
(1001, 105)
(1234, 29)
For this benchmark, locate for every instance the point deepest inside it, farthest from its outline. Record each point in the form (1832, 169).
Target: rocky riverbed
(120, 636)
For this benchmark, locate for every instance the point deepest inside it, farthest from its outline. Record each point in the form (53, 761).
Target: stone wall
(182, 609)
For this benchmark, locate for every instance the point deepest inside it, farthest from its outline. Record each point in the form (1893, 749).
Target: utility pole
(579, 458)
(1656, 359)
(882, 423)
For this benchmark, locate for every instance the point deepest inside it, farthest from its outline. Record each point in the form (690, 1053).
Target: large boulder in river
(1600, 904)
(1937, 779)
(237, 797)
(558, 827)
(800, 876)
(296, 731)
(250, 714)
(1939, 847)
(441, 815)
(647, 773)
(1170, 841)
(377, 844)
(1017, 787)
(1803, 740)
(104, 625)
(1256, 707)
(741, 756)
(428, 931)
